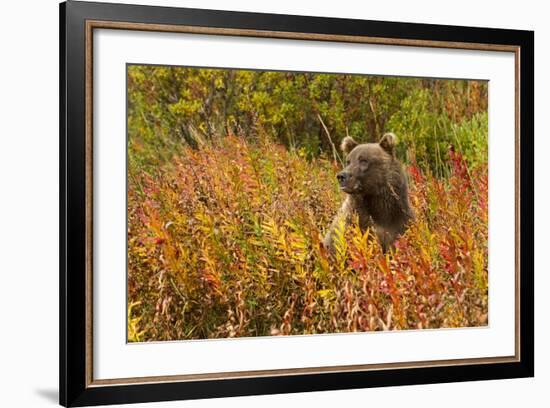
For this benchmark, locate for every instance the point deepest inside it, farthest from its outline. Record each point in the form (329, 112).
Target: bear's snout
(342, 177)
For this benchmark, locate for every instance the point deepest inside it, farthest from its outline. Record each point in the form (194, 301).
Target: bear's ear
(348, 144)
(388, 143)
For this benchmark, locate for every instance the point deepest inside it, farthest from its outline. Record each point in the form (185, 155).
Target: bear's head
(367, 165)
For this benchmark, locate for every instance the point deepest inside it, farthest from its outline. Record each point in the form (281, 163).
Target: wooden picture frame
(78, 20)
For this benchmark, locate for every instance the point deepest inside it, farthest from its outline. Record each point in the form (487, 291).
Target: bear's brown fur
(376, 189)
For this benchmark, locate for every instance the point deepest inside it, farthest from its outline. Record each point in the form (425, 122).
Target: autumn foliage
(224, 241)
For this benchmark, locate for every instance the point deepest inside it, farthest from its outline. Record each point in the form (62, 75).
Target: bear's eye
(348, 162)
(363, 161)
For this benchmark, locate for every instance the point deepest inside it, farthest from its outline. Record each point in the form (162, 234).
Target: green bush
(426, 135)
(171, 107)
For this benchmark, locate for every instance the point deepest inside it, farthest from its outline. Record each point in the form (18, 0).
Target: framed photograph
(256, 204)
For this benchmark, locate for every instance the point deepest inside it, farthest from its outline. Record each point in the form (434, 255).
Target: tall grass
(225, 241)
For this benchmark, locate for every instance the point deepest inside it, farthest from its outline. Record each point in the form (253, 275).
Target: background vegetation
(171, 107)
(232, 185)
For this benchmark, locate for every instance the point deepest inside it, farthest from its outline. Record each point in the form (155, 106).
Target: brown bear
(376, 189)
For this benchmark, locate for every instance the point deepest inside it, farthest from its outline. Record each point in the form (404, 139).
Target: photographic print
(260, 204)
(266, 203)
